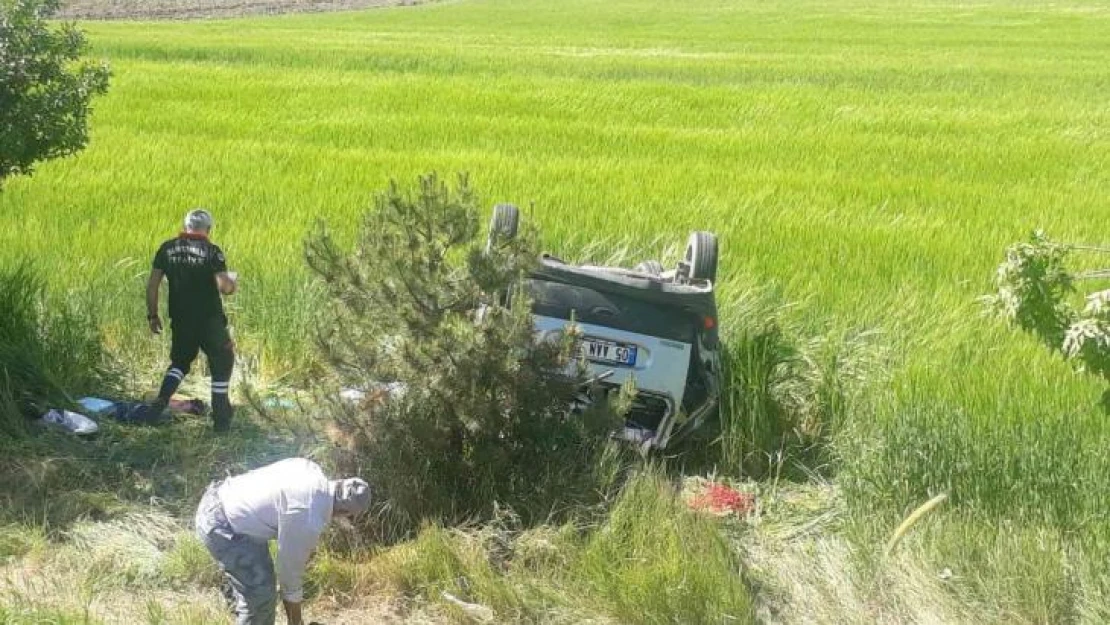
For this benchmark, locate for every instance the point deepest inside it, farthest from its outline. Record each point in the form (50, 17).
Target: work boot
(221, 422)
(221, 413)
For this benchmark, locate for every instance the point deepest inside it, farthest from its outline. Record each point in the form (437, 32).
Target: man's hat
(198, 219)
(352, 496)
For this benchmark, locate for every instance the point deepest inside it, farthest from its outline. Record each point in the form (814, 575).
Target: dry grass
(807, 571)
(146, 567)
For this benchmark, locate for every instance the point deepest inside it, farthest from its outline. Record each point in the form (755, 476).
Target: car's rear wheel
(701, 256)
(651, 267)
(503, 225)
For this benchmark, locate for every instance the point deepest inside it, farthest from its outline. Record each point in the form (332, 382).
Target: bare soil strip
(208, 9)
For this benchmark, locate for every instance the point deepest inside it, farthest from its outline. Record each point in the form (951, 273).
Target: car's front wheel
(701, 256)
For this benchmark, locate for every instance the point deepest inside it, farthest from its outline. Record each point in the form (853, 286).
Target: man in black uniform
(197, 273)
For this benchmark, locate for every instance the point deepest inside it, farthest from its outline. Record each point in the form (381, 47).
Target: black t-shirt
(191, 263)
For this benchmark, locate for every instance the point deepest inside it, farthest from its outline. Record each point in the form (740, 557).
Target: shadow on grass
(51, 479)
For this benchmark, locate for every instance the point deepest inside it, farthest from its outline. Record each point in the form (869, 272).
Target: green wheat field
(864, 163)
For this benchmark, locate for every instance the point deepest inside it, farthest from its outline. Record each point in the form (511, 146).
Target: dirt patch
(208, 9)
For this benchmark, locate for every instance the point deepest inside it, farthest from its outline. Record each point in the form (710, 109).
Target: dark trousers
(211, 336)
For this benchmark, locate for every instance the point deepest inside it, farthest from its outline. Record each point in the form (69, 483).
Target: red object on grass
(722, 499)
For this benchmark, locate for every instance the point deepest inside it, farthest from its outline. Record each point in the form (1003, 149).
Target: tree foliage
(1034, 287)
(45, 88)
(470, 409)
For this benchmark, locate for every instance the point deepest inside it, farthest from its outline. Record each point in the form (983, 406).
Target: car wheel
(503, 224)
(651, 267)
(701, 256)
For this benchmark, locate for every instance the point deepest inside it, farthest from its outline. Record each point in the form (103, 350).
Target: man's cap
(352, 496)
(198, 219)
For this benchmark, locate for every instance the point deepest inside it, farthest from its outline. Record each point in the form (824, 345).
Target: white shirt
(290, 501)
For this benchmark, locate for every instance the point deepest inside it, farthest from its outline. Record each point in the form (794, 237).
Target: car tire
(503, 225)
(701, 256)
(651, 267)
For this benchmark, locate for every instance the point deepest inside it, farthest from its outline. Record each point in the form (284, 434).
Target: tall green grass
(50, 349)
(651, 560)
(869, 160)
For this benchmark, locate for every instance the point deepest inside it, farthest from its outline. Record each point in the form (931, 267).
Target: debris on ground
(377, 393)
(131, 412)
(96, 406)
(480, 613)
(72, 422)
(720, 499)
(279, 403)
(353, 395)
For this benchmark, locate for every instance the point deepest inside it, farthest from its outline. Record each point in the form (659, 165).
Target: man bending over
(290, 501)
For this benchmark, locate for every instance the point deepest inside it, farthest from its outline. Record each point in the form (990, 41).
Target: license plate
(607, 352)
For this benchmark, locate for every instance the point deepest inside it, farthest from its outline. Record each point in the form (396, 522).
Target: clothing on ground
(73, 422)
(138, 413)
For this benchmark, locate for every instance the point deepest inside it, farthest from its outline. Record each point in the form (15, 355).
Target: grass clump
(788, 392)
(974, 570)
(654, 561)
(139, 550)
(28, 615)
(188, 563)
(17, 541)
(651, 560)
(50, 349)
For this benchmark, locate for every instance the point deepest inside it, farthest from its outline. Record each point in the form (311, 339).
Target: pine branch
(1094, 275)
